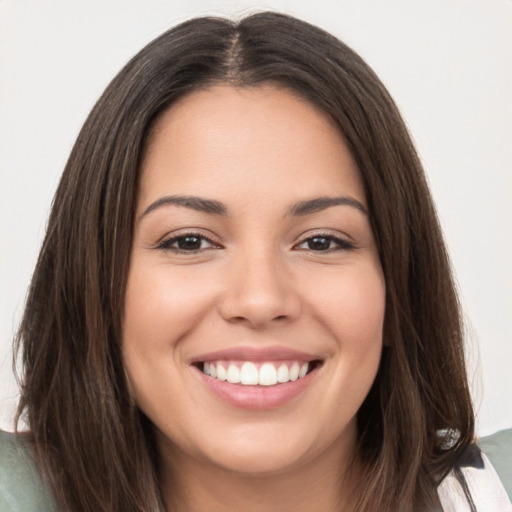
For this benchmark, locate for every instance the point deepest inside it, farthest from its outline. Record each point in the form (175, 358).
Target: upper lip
(273, 353)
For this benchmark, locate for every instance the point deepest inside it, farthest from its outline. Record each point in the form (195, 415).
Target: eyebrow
(322, 203)
(210, 206)
(199, 204)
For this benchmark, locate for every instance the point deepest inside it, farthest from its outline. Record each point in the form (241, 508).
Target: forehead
(260, 140)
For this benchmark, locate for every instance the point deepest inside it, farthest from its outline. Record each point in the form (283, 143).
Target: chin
(260, 450)
(259, 463)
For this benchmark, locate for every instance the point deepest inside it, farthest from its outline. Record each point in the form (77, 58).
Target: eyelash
(167, 244)
(341, 244)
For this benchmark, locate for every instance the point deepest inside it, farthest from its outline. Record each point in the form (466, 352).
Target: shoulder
(476, 473)
(498, 448)
(21, 486)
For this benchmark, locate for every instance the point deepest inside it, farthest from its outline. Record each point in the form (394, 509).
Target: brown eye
(319, 243)
(187, 243)
(325, 243)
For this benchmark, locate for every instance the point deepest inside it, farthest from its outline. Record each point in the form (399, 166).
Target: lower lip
(257, 397)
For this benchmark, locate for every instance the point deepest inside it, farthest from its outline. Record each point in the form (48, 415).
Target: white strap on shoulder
(484, 485)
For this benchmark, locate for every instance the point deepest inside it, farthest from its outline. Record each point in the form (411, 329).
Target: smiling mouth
(261, 373)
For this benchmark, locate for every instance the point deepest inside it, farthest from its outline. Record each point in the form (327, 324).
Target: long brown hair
(96, 448)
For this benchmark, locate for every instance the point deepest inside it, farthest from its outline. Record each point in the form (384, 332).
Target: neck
(190, 485)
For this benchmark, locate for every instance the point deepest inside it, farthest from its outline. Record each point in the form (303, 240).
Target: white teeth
(294, 371)
(222, 374)
(268, 374)
(283, 374)
(249, 374)
(233, 375)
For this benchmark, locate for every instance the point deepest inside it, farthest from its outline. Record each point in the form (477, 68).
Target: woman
(243, 300)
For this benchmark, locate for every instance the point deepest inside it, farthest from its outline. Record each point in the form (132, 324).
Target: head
(73, 328)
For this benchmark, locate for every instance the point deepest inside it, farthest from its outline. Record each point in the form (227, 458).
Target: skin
(259, 283)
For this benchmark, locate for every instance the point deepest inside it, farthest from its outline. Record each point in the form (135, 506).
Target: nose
(259, 292)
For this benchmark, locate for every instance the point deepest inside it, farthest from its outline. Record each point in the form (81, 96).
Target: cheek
(353, 314)
(161, 306)
(352, 306)
(161, 309)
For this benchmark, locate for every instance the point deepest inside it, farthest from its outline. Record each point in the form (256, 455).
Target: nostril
(238, 319)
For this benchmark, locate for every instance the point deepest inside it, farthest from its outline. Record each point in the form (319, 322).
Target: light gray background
(446, 62)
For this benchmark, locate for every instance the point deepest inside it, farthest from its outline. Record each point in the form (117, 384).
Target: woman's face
(253, 258)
